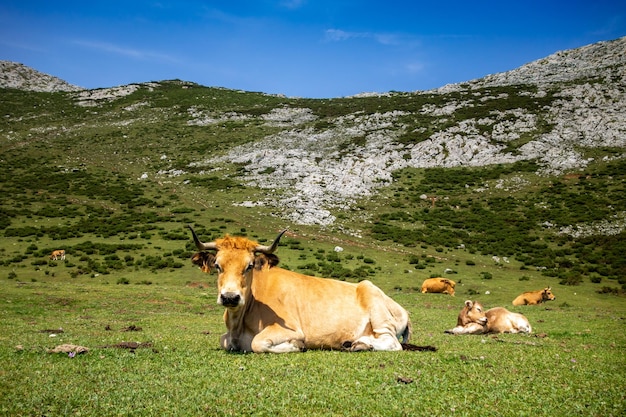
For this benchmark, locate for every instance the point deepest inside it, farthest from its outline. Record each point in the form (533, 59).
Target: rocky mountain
(315, 157)
(552, 111)
(19, 76)
(598, 60)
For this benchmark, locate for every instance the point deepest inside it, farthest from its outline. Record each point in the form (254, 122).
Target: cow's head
(473, 312)
(546, 294)
(234, 258)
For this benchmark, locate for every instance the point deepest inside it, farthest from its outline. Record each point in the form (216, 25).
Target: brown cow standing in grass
(56, 254)
(534, 297)
(474, 320)
(270, 309)
(438, 285)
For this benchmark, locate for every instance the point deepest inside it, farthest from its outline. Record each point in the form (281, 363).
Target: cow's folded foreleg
(471, 328)
(275, 339)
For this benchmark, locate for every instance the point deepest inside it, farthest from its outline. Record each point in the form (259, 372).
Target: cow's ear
(259, 261)
(469, 303)
(263, 259)
(272, 260)
(197, 258)
(204, 260)
(209, 262)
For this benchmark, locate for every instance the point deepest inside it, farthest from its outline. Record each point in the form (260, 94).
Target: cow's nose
(230, 299)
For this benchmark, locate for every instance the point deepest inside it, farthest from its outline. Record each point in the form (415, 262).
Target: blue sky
(300, 48)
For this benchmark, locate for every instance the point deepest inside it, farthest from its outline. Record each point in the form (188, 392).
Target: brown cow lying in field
(534, 297)
(474, 320)
(438, 285)
(270, 309)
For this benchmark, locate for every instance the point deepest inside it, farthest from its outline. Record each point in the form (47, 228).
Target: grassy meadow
(572, 364)
(70, 178)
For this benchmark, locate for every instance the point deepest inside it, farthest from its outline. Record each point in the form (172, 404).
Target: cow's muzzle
(230, 299)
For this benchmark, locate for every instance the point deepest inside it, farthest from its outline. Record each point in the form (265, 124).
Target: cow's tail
(408, 331)
(406, 336)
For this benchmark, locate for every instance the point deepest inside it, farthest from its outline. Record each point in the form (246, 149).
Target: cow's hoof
(360, 347)
(298, 344)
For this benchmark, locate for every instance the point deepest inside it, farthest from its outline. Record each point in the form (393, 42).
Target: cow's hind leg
(387, 320)
(384, 341)
(276, 339)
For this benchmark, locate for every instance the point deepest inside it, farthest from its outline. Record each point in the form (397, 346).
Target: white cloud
(20, 45)
(338, 35)
(414, 67)
(124, 51)
(293, 4)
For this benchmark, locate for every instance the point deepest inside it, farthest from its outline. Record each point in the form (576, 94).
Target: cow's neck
(235, 322)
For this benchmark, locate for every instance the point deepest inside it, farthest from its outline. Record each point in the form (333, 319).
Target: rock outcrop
(319, 170)
(19, 76)
(551, 111)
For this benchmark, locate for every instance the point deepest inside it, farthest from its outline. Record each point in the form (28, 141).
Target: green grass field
(71, 178)
(574, 363)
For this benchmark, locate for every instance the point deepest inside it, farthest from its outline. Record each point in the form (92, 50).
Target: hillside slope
(554, 120)
(527, 164)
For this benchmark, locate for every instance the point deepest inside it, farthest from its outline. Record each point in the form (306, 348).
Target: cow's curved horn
(200, 245)
(272, 248)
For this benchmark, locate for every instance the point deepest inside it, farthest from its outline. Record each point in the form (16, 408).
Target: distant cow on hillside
(56, 254)
(534, 297)
(438, 285)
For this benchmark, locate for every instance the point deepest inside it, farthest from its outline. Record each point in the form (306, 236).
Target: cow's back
(438, 285)
(528, 298)
(501, 320)
(330, 313)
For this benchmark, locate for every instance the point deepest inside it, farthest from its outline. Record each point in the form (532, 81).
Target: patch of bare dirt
(129, 345)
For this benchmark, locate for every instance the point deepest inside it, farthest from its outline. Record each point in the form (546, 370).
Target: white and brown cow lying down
(474, 320)
(534, 297)
(270, 309)
(438, 285)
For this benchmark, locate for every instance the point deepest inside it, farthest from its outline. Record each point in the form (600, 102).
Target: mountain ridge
(587, 61)
(19, 76)
(324, 162)
(561, 66)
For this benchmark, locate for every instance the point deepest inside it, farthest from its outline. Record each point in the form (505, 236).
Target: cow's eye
(218, 267)
(249, 267)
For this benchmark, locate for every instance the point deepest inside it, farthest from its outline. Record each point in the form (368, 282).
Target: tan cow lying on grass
(438, 285)
(270, 309)
(474, 320)
(534, 297)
